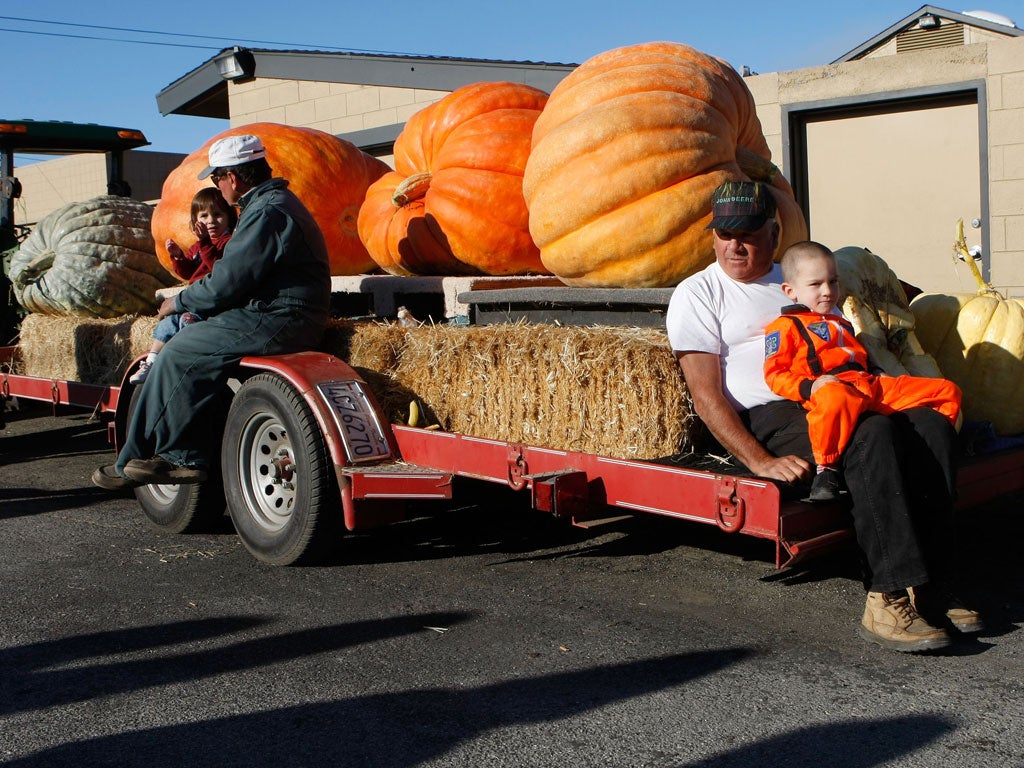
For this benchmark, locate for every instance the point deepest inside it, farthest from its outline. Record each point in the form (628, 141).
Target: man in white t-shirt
(715, 322)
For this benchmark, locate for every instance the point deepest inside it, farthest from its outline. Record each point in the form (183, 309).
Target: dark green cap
(741, 205)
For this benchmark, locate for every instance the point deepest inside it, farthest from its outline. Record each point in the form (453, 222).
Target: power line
(108, 39)
(131, 29)
(173, 34)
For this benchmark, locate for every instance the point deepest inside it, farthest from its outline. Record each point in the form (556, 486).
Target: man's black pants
(900, 471)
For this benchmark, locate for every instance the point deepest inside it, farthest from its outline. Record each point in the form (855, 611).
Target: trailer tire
(181, 508)
(278, 476)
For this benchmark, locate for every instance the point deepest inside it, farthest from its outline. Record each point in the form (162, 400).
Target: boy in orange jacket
(813, 357)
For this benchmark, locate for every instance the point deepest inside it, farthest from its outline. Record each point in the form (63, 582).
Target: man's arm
(703, 374)
(249, 257)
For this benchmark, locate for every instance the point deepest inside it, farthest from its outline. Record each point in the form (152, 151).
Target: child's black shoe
(825, 486)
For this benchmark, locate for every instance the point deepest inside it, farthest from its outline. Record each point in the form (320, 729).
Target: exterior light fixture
(929, 21)
(236, 64)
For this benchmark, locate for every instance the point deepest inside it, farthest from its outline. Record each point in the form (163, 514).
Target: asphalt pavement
(482, 634)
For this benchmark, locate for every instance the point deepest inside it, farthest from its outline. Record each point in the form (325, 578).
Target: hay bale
(75, 349)
(612, 391)
(373, 349)
(88, 350)
(142, 335)
(605, 390)
(375, 346)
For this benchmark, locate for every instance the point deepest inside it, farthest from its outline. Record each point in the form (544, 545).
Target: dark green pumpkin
(91, 259)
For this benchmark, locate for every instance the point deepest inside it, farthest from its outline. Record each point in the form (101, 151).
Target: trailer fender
(117, 428)
(323, 381)
(308, 373)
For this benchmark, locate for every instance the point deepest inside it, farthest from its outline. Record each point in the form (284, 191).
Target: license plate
(357, 420)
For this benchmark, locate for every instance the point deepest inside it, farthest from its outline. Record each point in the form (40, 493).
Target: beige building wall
(52, 184)
(998, 63)
(1006, 161)
(336, 108)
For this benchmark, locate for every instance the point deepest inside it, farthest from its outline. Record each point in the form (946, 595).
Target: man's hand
(166, 307)
(703, 374)
(789, 469)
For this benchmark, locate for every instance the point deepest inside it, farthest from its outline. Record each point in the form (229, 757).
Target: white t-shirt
(711, 312)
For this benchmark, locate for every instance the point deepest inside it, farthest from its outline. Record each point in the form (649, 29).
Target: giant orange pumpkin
(625, 157)
(454, 204)
(330, 176)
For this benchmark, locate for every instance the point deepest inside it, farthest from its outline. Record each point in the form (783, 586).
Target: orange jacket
(800, 346)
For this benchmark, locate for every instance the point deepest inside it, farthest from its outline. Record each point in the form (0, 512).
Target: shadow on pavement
(854, 744)
(395, 730)
(30, 682)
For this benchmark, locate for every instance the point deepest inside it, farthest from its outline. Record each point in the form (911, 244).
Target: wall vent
(950, 34)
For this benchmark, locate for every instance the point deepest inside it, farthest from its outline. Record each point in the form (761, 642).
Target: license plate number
(356, 419)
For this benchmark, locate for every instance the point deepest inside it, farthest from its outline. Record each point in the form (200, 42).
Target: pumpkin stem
(960, 248)
(412, 188)
(755, 166)
(35, 269)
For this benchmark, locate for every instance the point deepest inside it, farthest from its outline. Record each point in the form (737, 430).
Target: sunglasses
(216, 177)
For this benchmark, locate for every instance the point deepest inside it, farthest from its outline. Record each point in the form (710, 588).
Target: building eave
(203, 93)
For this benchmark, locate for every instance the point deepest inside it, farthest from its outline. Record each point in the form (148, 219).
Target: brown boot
(941, 607)
(891, 621)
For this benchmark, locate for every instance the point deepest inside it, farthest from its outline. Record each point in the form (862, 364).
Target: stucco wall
(1006, 160)
(997, 63)
(51, 184)
(337, 108)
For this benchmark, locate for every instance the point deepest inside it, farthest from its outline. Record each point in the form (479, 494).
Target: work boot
(110, 479)
(825, 486)
(891, 621)
(159, 471)
(941, 607)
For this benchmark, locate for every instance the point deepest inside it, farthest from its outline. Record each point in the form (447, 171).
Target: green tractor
(49, 138)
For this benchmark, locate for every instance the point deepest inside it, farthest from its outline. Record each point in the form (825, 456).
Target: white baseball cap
(233, 150)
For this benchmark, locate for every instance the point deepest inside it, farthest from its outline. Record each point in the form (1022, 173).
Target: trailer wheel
(278, 477)
(181, 508)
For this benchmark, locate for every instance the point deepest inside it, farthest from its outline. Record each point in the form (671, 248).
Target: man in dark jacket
(269, 295)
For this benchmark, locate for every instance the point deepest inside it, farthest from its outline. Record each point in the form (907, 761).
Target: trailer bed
(585, 489)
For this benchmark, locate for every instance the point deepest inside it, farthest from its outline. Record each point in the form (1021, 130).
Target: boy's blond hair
(800, 252)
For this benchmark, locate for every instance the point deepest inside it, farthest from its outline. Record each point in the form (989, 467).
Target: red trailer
(303, 431)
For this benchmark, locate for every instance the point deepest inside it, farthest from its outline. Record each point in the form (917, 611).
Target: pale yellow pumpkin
(874, 301)
(978, 342)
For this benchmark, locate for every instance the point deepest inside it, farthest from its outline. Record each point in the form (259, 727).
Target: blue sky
(83, 69)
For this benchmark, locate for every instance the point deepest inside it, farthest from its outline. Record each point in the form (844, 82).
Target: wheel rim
(267, 471)
(163, 494)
